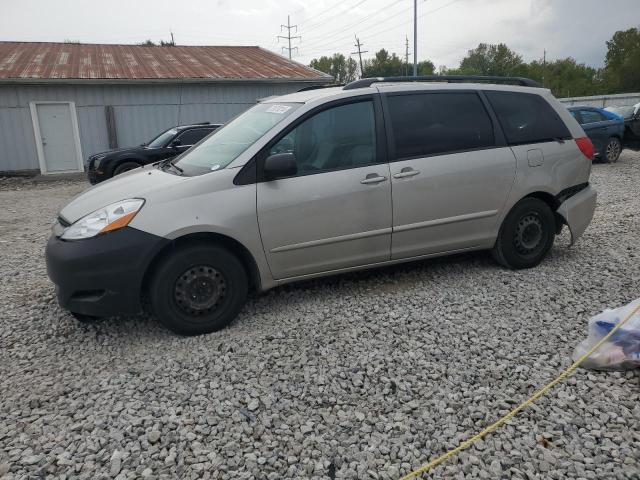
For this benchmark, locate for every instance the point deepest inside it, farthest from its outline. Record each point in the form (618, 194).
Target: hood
(134, 184)
(118, 150)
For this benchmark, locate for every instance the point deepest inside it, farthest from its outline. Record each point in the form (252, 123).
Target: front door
(336, 212)
(449, 178)
(57, 137)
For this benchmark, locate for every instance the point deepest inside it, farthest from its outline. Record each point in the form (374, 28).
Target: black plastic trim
(110, 266)
(567, 193)
(367, 82)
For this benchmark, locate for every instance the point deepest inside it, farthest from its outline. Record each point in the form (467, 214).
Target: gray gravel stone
(363, 375)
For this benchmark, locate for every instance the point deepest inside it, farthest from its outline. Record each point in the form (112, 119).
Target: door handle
(373, 178)
(406, 172)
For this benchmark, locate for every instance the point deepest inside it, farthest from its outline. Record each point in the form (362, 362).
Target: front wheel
(612, 150)
(197, 289)
(526, 235)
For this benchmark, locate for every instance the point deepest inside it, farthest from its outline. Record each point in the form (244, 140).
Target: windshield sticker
(278, 109)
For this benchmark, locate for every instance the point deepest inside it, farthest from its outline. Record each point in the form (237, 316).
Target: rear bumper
(102, 276)
(578, 210)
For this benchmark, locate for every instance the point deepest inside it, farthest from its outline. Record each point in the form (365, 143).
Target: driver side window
(333, 139)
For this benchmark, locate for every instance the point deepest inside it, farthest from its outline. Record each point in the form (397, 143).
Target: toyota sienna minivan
(324, 181)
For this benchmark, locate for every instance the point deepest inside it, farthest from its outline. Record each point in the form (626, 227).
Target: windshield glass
(229, 141)
(624, 112)
(162, 139)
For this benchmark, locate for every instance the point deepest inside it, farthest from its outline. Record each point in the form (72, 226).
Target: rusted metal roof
(21, 61)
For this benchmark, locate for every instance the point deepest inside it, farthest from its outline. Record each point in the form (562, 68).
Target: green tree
(565, 77)
(622, 63)
(342, 69)
(147, 43)
(383, 65)
(488, 59)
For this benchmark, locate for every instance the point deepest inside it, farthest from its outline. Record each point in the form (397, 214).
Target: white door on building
(56, 132)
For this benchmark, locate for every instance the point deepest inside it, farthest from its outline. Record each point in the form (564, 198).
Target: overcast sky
(446, 28)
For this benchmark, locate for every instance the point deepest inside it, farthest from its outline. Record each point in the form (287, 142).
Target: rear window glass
(436, 123)
(527, 117)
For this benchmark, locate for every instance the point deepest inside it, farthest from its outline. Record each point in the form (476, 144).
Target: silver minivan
(324, 181)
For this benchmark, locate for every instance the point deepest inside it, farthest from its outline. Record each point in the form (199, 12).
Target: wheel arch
(231, 244)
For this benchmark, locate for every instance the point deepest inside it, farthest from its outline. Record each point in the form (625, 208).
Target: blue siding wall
(141, 112)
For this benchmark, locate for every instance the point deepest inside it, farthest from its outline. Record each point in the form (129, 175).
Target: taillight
(586, 147)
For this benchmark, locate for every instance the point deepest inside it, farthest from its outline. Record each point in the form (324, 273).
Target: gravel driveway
(366, 375)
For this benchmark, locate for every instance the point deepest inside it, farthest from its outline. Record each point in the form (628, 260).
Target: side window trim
(498, 136)
(256, 163)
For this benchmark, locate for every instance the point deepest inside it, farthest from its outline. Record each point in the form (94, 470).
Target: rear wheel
(612, 150)
(526, 235)
(125, 167)
(198, 289)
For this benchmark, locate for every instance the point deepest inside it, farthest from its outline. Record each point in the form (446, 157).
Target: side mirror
(280, 165)
(175, 143)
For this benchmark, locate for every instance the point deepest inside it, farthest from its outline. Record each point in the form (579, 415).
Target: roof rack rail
(316, 87)
(367, 82)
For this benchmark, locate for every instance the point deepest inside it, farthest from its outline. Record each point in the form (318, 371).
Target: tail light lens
(586, 147)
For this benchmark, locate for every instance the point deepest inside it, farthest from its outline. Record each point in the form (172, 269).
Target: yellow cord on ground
(467, 443)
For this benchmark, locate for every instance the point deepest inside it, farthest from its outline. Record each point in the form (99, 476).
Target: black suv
(168, 144)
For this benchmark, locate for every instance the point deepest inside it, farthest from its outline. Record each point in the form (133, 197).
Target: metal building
(61, 102)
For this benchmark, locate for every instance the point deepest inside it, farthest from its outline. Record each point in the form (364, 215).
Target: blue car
(604, 128)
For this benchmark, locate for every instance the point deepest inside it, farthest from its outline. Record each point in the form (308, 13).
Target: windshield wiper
(176, 167)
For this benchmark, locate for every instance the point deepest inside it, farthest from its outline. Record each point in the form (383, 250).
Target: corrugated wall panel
(140, 123)
(17, 143)
(92, 123)
(210, 112)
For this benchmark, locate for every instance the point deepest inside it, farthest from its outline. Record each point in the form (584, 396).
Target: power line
(288, 26)
(340, 13)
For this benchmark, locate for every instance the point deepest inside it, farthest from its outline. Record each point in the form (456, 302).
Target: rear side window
(590, 116)
(193, 136)
(527, 117)
(436, 123)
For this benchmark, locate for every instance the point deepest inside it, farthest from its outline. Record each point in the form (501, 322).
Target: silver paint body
(325, 223)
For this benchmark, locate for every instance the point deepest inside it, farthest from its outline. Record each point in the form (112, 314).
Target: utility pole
(359, 52)
(288, 36)
(415, 38)
(544, 65)
(406, 55)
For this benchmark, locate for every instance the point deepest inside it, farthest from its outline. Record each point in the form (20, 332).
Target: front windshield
(162, 139)
(222, 148)
(624, 112)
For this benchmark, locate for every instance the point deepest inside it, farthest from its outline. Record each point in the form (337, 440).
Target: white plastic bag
(622, 350)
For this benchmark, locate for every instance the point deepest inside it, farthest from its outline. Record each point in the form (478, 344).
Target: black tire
(197, 289)
(612, 150)
(125, 167)
(526, 235)
(82, 318)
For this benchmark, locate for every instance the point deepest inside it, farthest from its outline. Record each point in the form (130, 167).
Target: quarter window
(527, 117)
(436, 123)
(336, 138)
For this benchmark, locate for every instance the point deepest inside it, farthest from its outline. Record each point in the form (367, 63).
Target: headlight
(97, 159)
(112, 217)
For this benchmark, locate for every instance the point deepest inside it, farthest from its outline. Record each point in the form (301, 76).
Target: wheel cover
(613, 151)
(199, 290)
(528, 234)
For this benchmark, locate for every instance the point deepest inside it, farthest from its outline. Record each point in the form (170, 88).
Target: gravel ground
(360, 376)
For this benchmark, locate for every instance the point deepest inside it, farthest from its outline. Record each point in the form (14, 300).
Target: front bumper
(578, 210)
(102, 276)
